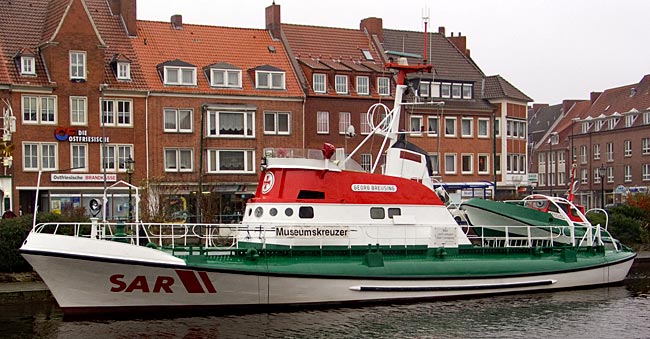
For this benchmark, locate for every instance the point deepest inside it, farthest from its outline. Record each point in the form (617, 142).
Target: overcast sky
(549, 49)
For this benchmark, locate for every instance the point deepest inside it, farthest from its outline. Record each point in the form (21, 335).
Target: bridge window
(377, 213)
(306, 212)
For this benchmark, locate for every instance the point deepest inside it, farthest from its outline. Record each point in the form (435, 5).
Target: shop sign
(72, 177)
(72, 134)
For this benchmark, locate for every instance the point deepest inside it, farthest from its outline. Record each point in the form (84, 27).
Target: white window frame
(366, 161)
(214, 161)
(469, 156)
(610, 174)
(453, 134)
(364, 127)
(123, 71)
(78, 111)
(456, 90)
(610, 152)
(77, 64)
(383, 86)
(646, 118)
(435, 163)
(627, 148)
(486, 122)
(227, 76)
(645, 146)
(43, 150)
(434, 91)
(175, 156)
(322, 122)
(628, 173)
(454, 163)
(275, 130)
(497, 126)
(596, 151)
(345, 120)
(413, 121)
(423, 89)
(172, 122)
(645, 172)
(27, 65)
(179, 72)
(214, 124)
(341, 84)
(44, 112)
(270, 80)
(79, 160)
(630, 119)
(596, 176)
(319, 82)
(113, 113)
(584, 176)
(445, 90)
(116, 157)
(433, 132)
(463, 121)
(363, 85)
(486, 161)
(612, 122)
(468, 89)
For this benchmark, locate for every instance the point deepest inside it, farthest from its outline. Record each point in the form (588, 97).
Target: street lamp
(601, 171)
(129, 164)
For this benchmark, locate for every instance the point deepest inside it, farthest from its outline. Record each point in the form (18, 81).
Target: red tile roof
(622, 99)
(55, 12)
(497, 87)
(158, 42)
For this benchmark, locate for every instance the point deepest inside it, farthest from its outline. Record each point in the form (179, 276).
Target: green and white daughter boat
(317, 232)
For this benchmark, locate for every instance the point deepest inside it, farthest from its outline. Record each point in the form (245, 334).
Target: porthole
(288, 212)
(273, 212)
(259, 212)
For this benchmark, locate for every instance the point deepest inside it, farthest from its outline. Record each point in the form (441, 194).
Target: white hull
(84, 283)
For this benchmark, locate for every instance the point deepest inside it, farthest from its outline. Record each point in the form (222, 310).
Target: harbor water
(621, 311)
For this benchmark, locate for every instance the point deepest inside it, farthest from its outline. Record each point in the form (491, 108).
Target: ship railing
(536, 236)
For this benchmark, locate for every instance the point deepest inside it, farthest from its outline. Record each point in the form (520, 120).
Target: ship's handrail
(226, 236)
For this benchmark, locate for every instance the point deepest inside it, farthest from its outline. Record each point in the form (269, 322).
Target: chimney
(177, 21)
(374, 26)
(441, 30)
(460, 42)
(127, 10)
(273, 21)
(593, 96)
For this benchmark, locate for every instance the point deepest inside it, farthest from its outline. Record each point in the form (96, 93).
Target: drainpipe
(199, 194)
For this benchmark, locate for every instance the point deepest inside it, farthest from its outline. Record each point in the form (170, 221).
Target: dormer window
(613, 122)
(320, 81)
(269, 77)
(363, 85)
(599, 125)
(225, 78)
(467, 91)
(383, 85)
(586, 126)
(629, 120)
(341, 84)
(27, 65)
(77, 65)
(123, 71)
(178, 72)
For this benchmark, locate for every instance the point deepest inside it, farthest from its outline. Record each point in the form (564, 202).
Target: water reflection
(609, 312)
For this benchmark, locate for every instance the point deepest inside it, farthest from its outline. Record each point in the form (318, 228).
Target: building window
(645, 146)
(435, 90)
(366, 162)
(612, 122)
(610, 174)
(483, 128)
(467, 91)
(114, 157)
(363, 85)
(450, 127)
(483, 164)
(27, 65)
(586, 126)
(79, 156)
(225, 78)
(416, 125)
(341, 84)
(365, 125)
(344, 122)
(270, 80)
(599, 125)
(497, 164)
(178, 120)
(583, 154)
(456, 91)
(383, 85)
(497, 127)
(450, 163)
(561, 178)
(646, 118)
(39, 156)
(320, 81)
(432, 123)
(39, 110)
(584, 179)
(596, 176)
(467, 128)
(231, 161)
(596, 151)
(628, 173)
(645, 172)
(78, 111)
(322, 122)
(610, 151)
(123, 71)
(77, 65)
(117, 112)
(231, 124)
(629, 120)
(435, 164)
(628, 148)
(445, 90)
(179, 160)
(467, 163)
(180, 76)
(277, 123)
(423, 89)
